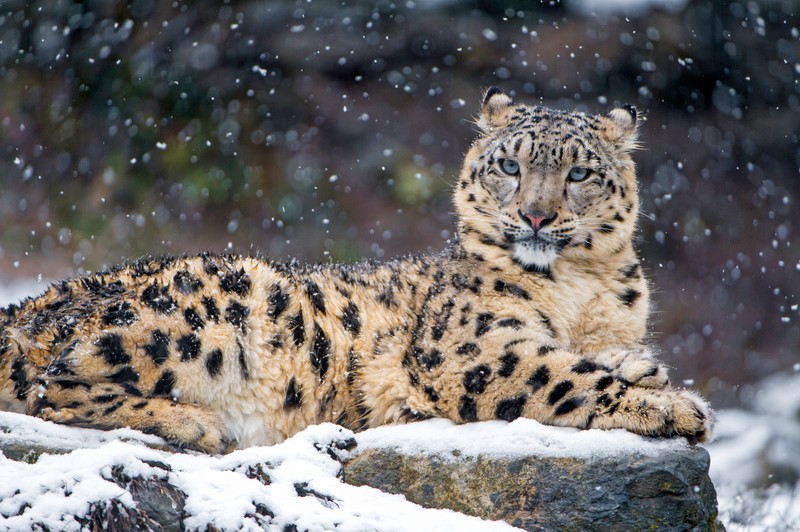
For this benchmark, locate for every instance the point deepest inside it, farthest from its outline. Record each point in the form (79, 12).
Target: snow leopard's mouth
(535, 253)
(537, 240)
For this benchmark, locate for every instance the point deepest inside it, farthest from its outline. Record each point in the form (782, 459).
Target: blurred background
(328, 130)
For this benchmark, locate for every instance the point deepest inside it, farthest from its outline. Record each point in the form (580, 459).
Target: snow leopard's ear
(620, 127)
(496, 110)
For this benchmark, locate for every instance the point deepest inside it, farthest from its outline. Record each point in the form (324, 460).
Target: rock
(159, 504)
(529, 475)
(668, 490)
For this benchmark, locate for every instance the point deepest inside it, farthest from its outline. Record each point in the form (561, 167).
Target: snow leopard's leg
(505, 375)
(108, 405)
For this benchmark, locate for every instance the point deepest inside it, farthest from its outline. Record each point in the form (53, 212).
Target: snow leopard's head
(539, 184)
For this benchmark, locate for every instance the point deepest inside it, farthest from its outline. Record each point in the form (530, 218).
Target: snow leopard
(537, 308)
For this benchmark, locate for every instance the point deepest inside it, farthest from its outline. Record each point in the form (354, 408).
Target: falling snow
(311, 130)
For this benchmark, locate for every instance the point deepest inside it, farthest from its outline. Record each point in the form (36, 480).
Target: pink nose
(537, 219)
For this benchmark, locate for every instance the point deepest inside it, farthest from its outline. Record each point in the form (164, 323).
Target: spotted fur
(537, 309)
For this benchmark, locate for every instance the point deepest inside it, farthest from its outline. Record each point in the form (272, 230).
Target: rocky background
(332, 131)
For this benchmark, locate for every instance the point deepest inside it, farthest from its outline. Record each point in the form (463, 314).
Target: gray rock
(671, 491)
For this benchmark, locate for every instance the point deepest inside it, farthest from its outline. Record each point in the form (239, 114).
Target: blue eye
(509, 167)
(578, 173)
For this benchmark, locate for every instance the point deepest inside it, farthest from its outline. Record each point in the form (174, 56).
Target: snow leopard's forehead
(549, 138)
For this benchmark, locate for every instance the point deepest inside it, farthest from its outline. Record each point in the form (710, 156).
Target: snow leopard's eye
(509, 167)
(579, 173)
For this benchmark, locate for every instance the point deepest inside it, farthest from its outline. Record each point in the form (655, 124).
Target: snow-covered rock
(541, 478)
(102, 482)
(522, 472)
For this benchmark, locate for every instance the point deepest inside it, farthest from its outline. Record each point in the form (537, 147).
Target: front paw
(692, 417)
(656, 413)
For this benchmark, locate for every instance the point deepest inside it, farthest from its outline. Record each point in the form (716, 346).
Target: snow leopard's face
(539, 183)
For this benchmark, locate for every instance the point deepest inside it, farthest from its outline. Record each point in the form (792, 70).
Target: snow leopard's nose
(537, 219)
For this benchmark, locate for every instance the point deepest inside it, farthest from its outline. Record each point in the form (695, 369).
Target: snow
(521, 437)
(56, 488)
(16, 291)
(26, 430)
(49, 492)
(754, 465)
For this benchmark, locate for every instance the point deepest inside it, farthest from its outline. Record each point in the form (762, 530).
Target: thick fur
(214, 352)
